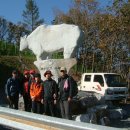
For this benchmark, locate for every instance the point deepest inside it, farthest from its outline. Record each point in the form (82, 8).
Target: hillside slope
(9, 63)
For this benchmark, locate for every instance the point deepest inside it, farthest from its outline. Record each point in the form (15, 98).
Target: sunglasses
(62, 71)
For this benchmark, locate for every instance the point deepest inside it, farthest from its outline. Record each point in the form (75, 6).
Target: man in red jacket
(26, 93)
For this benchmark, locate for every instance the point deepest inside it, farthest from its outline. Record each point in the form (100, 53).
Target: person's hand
(55, 101)
(54, 96)
(42, 101)
(8, 98)
(33, 98)
(20, 95)
(69, 99)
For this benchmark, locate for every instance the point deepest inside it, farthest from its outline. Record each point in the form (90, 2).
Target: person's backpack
(74, 87)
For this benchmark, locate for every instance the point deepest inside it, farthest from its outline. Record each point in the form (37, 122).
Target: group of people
(41, 96)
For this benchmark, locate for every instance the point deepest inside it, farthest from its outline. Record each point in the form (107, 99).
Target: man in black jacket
(65, 93)
(12, 89)
(50, 90)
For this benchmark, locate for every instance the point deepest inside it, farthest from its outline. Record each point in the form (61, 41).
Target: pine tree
(31, 15)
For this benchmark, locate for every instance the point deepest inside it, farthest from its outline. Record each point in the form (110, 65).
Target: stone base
(54, 66)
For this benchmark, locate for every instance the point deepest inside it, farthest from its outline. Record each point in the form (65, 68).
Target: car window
(114, 80)
(99, 78)
(87, 78)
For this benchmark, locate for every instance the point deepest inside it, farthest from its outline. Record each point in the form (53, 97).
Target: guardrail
(47, 122)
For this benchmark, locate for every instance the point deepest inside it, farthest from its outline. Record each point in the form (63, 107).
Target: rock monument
(47, 39)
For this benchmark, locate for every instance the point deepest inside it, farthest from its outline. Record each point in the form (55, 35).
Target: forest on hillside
(107, 33)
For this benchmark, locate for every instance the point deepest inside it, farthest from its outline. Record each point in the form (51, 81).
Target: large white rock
(54, 65)
(46, 39)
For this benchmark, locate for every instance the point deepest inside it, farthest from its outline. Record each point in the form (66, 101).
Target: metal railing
(52, 122)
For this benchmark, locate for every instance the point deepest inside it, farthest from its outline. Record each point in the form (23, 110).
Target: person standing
(31, 78)
(65, 93)
(26, 93)
(36, 93)
(13, 89)
(50, 94)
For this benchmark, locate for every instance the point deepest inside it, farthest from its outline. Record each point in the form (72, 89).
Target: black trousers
(13, 103)
(27, 102)
(49, 107)
(65, 108)
(36, 107)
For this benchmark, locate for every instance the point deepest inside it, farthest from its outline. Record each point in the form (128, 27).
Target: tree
(82, 14)
(3, 28)
(106, 46)
(31, 15)
(15, 32)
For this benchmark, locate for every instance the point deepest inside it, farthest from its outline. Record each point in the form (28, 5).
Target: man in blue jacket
(12, 90)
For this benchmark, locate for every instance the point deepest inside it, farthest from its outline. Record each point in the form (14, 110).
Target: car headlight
(109, 92)
(126, 92)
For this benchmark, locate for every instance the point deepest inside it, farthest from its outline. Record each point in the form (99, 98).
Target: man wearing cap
(12, 89)
(36, 93)
(31, 79)
(26, 92)
(49, 94)
(65, 93)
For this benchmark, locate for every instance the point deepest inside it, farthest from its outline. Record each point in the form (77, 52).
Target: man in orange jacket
(36, 94)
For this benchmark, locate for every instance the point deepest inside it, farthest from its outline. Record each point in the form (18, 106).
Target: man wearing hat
(36, 94)
(12, 89)
(65, 93)
(49, 94)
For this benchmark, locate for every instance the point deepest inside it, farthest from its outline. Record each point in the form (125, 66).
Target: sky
(12, 9)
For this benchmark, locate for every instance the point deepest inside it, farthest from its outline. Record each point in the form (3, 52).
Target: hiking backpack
(74, 87)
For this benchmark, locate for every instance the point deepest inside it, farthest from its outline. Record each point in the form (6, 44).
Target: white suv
(110, 85)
